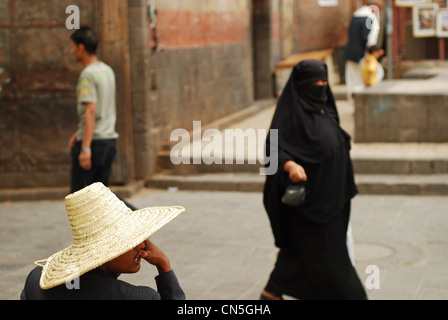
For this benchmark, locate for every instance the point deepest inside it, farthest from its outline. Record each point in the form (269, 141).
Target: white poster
(327, 3)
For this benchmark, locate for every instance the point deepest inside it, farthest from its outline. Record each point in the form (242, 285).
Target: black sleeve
(23, 295)
(168, 286)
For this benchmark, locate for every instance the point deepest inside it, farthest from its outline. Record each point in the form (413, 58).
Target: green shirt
(97, 85)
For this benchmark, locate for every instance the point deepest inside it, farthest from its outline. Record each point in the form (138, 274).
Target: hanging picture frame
(442, 23)
(424, 20)
(409, 3)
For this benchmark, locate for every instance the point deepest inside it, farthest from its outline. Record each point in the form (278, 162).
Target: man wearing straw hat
(108, 239)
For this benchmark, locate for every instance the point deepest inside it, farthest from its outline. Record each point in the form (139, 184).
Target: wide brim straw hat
(103, 229)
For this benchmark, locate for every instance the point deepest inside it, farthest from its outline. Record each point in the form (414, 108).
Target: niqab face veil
(312, 96)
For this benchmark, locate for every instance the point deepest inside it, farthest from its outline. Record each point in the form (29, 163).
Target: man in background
(93, 145)
(363, 33)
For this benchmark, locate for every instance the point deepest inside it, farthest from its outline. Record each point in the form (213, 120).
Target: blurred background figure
(372, 70)
(363, 33)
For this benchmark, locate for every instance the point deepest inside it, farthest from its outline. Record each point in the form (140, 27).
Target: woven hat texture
(103, 229)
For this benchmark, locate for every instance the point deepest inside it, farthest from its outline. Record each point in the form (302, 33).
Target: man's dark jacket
(101, 285)
(357, 39)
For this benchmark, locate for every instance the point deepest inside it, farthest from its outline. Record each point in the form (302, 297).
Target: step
(400, 158)
(59, 193)
(364, 165)
(257, 115)
(369, 158)
(242, 182)
(252, 182)
(432, 184)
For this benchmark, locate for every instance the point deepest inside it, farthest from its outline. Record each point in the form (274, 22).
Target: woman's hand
(296, 172)
(156, 257)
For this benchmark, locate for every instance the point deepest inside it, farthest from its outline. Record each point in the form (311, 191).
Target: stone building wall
(197, 65)
(202, 60)
(320, 28)
(37, 100)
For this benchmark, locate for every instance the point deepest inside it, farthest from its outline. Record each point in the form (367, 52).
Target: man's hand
(296, 172)
(85, 160)
(156, 257)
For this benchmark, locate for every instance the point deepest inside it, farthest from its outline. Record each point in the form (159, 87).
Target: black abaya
(318, 266)
(312, 237)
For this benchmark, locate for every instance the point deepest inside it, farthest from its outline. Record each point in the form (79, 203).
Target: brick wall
(202, 72)
(184, 29)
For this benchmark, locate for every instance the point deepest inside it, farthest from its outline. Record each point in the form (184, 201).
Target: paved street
(222, 246)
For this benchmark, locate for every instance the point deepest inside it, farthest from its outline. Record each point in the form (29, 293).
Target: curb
(59, 193)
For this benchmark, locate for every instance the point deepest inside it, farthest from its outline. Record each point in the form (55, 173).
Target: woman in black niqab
(313, 261)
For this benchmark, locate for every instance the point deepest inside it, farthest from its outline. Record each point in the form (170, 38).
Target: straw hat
(103, 229)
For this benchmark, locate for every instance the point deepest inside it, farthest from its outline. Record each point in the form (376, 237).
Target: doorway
(261, 49)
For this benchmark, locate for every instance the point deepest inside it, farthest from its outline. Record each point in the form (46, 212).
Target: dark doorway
(261, 48)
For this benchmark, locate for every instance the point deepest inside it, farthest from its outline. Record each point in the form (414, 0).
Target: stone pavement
(222, 246)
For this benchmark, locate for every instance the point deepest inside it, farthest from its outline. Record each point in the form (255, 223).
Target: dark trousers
(103, 155)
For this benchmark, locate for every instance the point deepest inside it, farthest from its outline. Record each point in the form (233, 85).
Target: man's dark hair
(87, 37)
(374, 48)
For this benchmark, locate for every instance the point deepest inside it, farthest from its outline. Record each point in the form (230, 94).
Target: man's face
(378, 53)
(379, 4)
(126, 263)
(76, 51)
